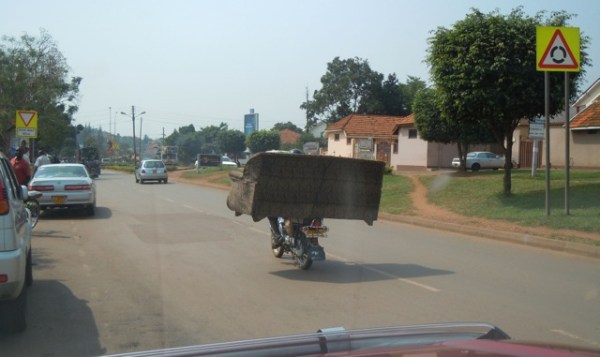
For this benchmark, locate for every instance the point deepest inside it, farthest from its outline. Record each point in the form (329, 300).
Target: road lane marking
(575, 337)
(375, 270)
(389, 275)
(194, 208)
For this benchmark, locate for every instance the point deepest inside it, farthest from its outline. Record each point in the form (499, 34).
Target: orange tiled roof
(588, 117)
(363, 125)
(288, 136)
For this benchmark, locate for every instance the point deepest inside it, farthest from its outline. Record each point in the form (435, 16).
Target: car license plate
(154, 171)
(59, 200)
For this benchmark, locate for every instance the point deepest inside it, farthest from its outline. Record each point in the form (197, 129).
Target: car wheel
(13, 313)
(475, 167)
(91, 209)
(136, 179)
(141, 181)
(29, 270)
(165, 180)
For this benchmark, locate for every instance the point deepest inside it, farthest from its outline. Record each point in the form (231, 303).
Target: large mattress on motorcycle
(300, 186)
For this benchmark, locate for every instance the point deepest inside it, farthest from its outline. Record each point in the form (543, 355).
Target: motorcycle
(300, 238)
(33, 207)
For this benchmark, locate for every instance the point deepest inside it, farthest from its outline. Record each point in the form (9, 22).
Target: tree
(484, 68)
(263, 140)
(289, 125)
(232, 142)
(34, 75)
(408, 92)
(436, 126)
(349, 86)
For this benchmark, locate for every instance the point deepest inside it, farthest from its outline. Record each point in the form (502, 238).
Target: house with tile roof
(363, 136)
(583, 135)
(416, 153)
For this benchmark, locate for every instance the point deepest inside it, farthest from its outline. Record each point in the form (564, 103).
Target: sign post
(26, 123)
(557, 50)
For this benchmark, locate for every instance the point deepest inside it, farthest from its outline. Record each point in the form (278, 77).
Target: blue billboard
(250, 123)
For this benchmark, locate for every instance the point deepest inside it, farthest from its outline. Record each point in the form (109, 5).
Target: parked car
(151, 170)
(477, 160)
(65, 186)
(15, 251)
(226, 161)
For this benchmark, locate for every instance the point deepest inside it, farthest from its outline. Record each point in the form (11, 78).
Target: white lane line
(375, 270)
(575, 337)
(194, 208)
(389, 275)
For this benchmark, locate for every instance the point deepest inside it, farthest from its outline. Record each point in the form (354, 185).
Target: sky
(202, 62)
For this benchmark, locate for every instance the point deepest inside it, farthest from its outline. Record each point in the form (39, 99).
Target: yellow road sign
(26, 123)
(557, 49)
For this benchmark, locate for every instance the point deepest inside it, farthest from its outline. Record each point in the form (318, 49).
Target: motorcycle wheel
(278, 252)
(302, 260)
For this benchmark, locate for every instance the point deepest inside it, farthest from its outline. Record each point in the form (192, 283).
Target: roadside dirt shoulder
(434, 216)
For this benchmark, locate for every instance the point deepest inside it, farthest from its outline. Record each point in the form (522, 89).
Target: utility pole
(133, 122)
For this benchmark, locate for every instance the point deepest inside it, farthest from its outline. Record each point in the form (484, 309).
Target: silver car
(481, 160)
(151, 170)
(65, 185)
(15, 251)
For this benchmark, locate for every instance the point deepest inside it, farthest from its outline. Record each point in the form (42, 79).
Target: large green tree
(263, 140)
(435, 125)
(231, 142)
(349, 86)
(34, 75)
(484, 68)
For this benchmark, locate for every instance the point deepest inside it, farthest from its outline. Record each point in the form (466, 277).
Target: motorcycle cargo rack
(290, 185)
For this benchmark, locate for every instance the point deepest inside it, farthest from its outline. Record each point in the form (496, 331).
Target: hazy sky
(206, 62)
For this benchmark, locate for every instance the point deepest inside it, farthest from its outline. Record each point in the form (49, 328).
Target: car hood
(448, 340)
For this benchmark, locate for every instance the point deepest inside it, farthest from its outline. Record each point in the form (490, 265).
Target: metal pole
(567, 144)
(547, 120)
(133, 121)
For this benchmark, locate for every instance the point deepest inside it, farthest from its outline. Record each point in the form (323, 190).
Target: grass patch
(481, 195)
(395, 197)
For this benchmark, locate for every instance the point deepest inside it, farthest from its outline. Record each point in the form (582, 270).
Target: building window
(412, 133)
(593, 131)
(348, 141)
(336, 137)
(395, 145)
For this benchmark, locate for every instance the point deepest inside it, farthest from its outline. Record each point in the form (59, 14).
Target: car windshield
(49, 171)
(153, 164)
(232, 170)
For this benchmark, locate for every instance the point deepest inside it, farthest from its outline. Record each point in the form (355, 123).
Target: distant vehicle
(89, 157)
(226, 161)
(168, 155)
(15, 251)
(65, 186)
(477, 160)
(151, 170)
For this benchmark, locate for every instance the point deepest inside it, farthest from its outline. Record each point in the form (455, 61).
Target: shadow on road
(337, 272)
(73, 213)
(58, 324)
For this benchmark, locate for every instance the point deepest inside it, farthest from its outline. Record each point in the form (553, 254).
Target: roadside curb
(513, 237)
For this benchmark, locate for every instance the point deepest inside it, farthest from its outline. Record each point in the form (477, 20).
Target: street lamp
(133, 121)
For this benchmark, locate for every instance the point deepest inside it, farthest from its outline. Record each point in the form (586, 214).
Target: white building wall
(411, 151)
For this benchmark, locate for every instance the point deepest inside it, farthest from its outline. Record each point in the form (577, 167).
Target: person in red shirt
(21, 167)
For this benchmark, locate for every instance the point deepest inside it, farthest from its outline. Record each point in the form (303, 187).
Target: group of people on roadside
(22, 165)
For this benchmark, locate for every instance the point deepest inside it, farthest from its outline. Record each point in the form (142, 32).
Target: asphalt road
(169, 265)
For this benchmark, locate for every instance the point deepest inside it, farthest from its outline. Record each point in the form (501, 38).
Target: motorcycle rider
(276, 237)
(21, 167)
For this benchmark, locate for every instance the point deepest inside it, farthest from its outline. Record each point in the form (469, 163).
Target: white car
(15, 251)
(65, 185)
(477, 160)
(226, 161)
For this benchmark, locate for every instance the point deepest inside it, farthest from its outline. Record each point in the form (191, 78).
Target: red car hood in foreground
(433, 340)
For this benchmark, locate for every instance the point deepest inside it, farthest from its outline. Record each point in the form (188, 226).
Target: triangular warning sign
(558, 54)
(26, 117)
